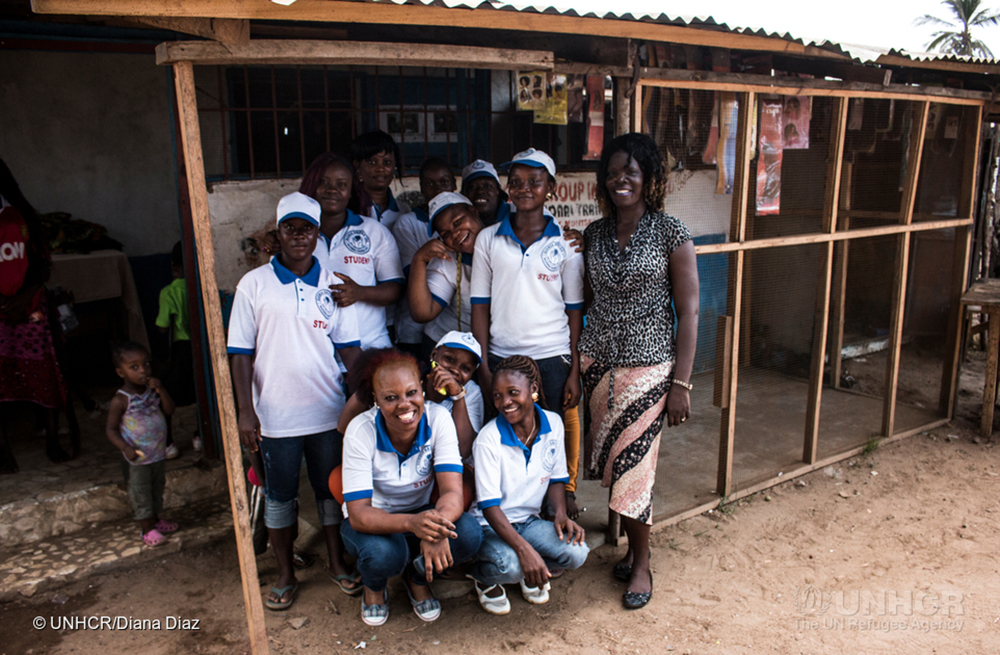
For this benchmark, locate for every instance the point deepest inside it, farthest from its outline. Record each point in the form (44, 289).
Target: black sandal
(633, 600)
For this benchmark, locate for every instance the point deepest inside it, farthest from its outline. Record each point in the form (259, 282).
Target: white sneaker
(498, 605)
(172, 452)
(535, 595)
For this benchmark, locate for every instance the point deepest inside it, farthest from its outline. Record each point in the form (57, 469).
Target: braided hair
(527, 367)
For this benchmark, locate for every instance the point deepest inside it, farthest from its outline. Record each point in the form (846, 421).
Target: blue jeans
(383, 556)
(554, 372)
(497, 563)
(282, 457)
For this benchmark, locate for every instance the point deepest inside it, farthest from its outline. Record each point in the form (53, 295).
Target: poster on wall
(531, 90)
(725, 156)
(595, 117)
(574, 97)
(555, 110)
(769, 163)
(795, 117)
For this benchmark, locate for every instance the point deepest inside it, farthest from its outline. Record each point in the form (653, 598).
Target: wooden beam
(953, 66)
(687, 79)
(187, 106)
(734, 293)
(228, 31)
(351, 52)
(848, 72)
(918, 131)
(483, 17)
(840, 281)
(835, 156)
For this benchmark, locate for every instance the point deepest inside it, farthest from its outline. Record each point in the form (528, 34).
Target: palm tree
(956, 37)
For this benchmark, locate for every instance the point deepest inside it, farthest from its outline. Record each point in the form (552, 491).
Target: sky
(882, 23)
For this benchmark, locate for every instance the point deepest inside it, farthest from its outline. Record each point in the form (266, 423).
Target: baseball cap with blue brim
(441, 202)
(299, 205)
(480, 168)
(463, 341)
(533, 158)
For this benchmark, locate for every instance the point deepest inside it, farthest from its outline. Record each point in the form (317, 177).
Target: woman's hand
(433, 249)
(569, 528)
(348, 293)
(249, 427)
(678, 405)
(437, 557)
(572, 390)
(536, 574)
(575, 237)
(442, 379)
(432, 526)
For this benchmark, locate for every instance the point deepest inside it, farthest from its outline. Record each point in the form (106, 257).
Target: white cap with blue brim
(463, 341)
(299, 205)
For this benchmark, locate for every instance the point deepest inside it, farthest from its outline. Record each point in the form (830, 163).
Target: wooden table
(986, 294)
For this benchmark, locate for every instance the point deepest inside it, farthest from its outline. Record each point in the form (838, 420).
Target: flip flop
(279, 605)
(344, 578)
(303, 560)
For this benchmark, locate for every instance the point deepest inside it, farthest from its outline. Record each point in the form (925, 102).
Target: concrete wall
(90, 134)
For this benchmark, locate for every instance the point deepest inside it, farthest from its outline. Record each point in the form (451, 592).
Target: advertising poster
(795, 117)
(595, 117)
(531, 90)
(769, 163)
(555, 110)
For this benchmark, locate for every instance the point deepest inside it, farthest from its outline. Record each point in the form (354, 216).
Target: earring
(549, 196)
(534, 396)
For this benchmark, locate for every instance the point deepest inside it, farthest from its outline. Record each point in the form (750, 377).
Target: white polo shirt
(528, 289)
(510, 475)
(410, 232)
(366, 252)
(442, 281)
(291, 326)
(388, 216)
(395, 482)
(473, 404)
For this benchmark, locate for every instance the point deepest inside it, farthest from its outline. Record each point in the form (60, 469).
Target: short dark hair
(120, 349)
(177, 255)
(369, 144)
(644, 150)
(433, 162)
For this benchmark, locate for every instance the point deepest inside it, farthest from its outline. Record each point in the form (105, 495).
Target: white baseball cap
(480, 168)
(535, 158)
(462, 340)
(443, 201)
(299, 205)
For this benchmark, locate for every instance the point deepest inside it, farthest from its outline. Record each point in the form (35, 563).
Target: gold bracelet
(682, 383)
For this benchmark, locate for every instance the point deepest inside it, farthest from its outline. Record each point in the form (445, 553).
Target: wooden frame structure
(227, 24)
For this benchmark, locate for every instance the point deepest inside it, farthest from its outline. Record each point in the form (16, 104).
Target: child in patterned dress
(138, 428)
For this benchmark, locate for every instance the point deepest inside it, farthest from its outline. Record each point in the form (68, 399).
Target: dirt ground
(892, 552)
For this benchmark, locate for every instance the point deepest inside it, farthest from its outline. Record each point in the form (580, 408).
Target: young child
(137, 426)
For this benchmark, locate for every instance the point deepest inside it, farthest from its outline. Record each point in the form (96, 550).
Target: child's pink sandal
(153, 538)
(165, 527)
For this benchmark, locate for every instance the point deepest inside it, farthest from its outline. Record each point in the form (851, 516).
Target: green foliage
(955, 37)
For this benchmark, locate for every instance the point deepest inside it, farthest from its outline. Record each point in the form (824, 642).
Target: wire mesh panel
(951, 131)
(780, 289)
(925, 327)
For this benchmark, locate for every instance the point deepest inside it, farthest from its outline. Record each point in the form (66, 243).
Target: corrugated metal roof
(860, 53)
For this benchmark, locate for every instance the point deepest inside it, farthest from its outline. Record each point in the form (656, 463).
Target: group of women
(487, 291)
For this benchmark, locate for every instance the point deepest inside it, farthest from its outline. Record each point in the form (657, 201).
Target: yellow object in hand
(443, 390)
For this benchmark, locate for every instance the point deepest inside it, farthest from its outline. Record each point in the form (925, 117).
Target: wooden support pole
(198, 193)
(835, 156)
(917, 132)
(734, 293)
(840, 280)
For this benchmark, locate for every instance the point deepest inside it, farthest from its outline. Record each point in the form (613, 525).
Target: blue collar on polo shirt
(551, 230)
(467, 258)
(383, 443)
(422, 215)
(353, 220)
(503, 212)
(508, 438)
(285, 276)
(393, 206)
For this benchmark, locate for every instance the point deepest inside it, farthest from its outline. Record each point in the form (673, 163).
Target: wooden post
(734, 293)
(822, 315)
(960, 265)
(840, 283)
(191, 142)
(917, 132)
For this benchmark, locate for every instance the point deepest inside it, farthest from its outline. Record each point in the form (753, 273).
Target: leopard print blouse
(631, 320)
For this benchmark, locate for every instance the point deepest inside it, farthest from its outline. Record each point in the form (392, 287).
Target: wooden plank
(955, 66)
(191, 142)
(840, 278)
(688, 79)
(351, 53)
(723, 361)
(229, 31)
(636, 107)
(917, 133)
(483, 17)
(835, 155)
(847, 72)
(990, 387)
(734, 293)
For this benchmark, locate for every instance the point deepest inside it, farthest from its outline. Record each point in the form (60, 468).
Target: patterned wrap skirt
(623, 415)
(28, 367)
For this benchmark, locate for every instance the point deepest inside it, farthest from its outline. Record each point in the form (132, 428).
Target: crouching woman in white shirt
(520, 457)
(393, 455)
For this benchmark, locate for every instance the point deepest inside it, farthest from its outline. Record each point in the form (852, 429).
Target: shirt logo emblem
(549, 456)
(553, 255)
(324, 300)
(357, 242)
(424, 460)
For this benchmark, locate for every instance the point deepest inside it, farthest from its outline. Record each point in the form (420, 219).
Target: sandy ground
(892, 552)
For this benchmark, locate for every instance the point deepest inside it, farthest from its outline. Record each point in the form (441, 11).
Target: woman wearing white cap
(481, 185)
(283, 333)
